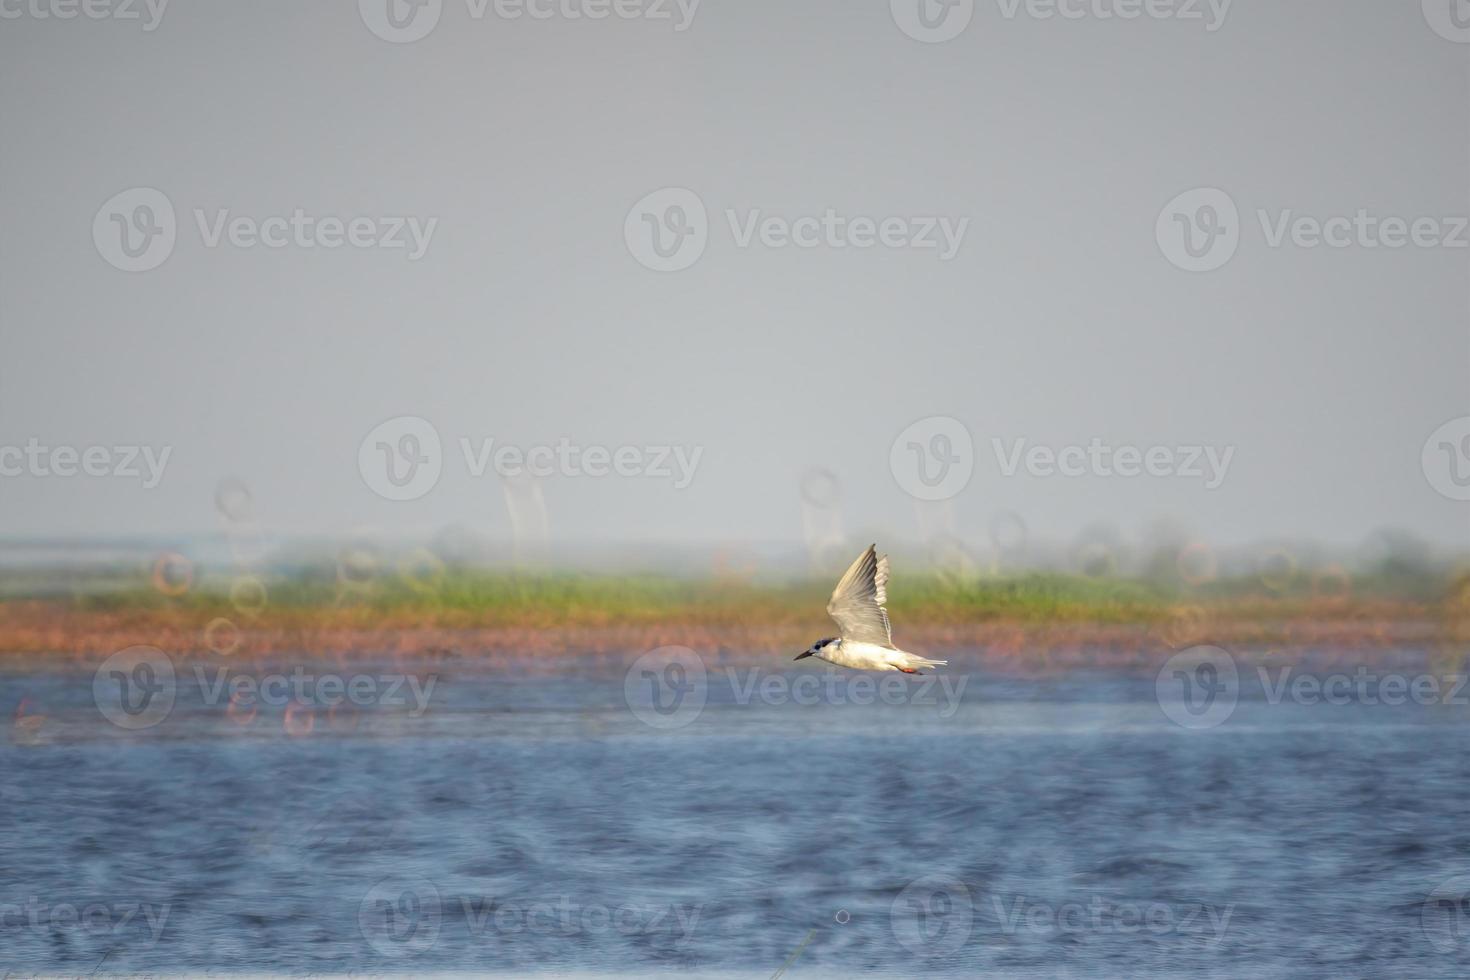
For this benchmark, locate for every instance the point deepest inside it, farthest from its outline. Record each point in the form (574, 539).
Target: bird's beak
(800, 656)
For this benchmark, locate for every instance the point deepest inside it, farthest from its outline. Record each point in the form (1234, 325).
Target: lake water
(1046, 827)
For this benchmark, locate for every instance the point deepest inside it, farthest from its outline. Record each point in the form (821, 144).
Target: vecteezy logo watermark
(1450, 19)
(667, 688)
(403, 917)
(135, 688)
(1446, 459)
(932, 21)
(400, 917)
(42, 461)
(667, 230)
(95, 919)
(932, 916)
(1019, 912)
(1445, 915)
(402, 458)
(1198, 688)
(400, 21)
(90, 9)
(405, 21)
(1200, 230)
(933, 459)
(1188, 462)
(136, 230)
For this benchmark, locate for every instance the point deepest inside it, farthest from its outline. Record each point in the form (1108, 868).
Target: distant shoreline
(555, 622)
(41, 632)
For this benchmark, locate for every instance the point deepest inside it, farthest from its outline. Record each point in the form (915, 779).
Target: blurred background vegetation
(1099, 578)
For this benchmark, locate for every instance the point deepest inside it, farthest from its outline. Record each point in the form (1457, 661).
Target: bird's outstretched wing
(857, 602)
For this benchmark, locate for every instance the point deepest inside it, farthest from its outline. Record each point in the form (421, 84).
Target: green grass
(467, 595)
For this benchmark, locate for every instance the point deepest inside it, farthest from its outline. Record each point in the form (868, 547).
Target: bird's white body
(858, 608)
(870, 656)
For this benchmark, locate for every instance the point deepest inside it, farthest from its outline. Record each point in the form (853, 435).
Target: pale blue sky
(527, 320)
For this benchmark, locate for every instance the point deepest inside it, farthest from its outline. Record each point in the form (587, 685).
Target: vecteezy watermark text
(300, 686)
(833, 230)
(570, 460)
(401, 917)
(1190, 462)
(1363, 229)
(934, 915)
(95, 918)
(668, 230)
(136, 230)
(1363, 686)
(1199, 688)
(39, 460)
(934, 459)
(565, 917)
(1020, 913)
(936, 690)
(1200, 230)
(137, 688)
(406, 21)
(124, 10)
(669, 687)
(305, 230)
(1211, 13)
(403, 458)
(936, 21)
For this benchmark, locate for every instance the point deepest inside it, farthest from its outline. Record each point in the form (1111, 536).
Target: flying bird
(857, 606)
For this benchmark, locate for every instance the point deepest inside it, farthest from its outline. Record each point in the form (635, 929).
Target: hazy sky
(520, 149)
